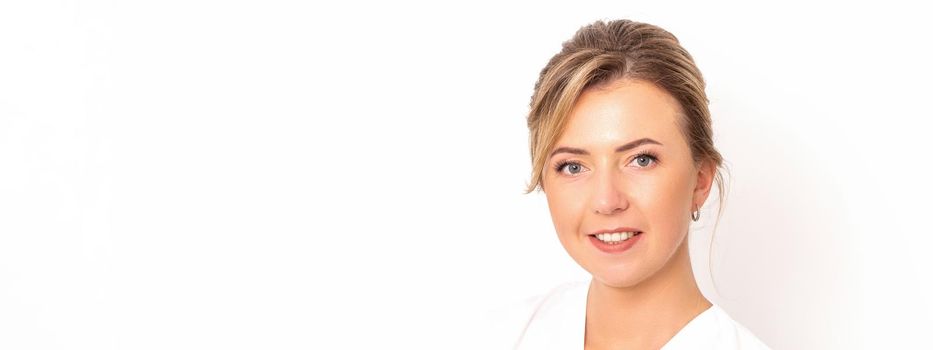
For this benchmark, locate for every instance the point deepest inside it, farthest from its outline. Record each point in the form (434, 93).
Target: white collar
(559, 322)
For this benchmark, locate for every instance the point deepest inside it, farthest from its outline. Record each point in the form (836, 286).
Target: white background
(285, 175)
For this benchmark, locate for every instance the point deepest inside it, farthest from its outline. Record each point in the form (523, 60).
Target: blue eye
(645, 159)
(571, 168)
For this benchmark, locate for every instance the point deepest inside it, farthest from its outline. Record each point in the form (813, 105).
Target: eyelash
(651, 155)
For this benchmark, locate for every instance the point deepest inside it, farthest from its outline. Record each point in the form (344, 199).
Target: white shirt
(557, 320)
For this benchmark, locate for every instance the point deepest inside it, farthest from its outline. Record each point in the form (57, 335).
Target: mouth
(617, 237)
(615, 242)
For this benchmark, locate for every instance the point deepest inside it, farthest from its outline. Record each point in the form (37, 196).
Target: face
(593, 182)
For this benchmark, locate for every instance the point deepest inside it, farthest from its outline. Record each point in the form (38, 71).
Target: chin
(622, 277)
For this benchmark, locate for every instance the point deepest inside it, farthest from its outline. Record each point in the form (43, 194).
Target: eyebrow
(623, 148)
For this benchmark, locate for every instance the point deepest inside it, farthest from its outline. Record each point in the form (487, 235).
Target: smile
(616, 237)
(615, 242)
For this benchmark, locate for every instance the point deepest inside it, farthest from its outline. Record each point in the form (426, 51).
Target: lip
(617, 248)
(620, 229)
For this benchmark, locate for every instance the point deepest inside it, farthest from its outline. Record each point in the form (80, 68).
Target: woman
(621, 144)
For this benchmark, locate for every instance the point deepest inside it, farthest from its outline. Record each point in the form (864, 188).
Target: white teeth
(615, 237)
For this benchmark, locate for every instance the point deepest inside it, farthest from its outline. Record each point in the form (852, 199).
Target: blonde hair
(603, 52)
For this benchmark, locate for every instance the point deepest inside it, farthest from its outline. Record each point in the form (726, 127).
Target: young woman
(621, 144)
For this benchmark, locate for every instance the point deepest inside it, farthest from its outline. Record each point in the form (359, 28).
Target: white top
(557, 320)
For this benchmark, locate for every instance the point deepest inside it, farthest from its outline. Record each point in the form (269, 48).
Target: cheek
(566, 209)
(659, 195)
(663, 200)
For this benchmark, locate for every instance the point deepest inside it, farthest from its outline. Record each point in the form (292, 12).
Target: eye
(569, 167)
(645, 159)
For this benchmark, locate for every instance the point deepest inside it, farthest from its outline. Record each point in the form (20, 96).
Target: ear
(705, 174)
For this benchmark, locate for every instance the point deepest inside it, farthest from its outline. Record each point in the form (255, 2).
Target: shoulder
(735, 333)
(715, 329)
(509, 323)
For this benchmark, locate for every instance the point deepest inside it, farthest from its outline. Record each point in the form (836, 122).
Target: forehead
(621, 111)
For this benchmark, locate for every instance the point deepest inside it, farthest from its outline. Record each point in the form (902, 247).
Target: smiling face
(594, 182)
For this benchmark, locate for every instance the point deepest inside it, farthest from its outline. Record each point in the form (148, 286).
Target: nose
(608, 196)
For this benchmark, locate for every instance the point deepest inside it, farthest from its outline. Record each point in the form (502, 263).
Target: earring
(695, 215)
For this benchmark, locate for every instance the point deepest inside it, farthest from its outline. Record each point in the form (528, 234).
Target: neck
(648, 314)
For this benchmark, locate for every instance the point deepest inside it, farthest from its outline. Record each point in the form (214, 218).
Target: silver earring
(695, 215)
